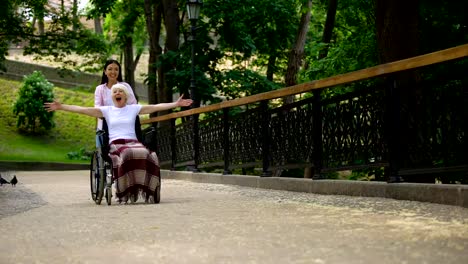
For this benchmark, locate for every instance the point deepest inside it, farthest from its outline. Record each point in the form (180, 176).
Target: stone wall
(16, 70)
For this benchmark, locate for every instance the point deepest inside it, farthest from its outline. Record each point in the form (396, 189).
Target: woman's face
(119, 97)
(112, 72)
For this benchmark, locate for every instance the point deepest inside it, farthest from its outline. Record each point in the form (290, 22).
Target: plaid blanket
(135, 169)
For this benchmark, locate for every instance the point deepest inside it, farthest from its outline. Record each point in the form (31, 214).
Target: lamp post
(193, 11)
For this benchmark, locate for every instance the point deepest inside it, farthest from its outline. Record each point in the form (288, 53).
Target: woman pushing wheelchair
(135, 168)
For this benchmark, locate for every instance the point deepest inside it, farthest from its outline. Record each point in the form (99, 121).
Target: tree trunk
(397, 29)
(271, 66)
(329, 26)
(397, 37)
(130, 63)
(62, 8)
(33, 22)
(153, 15)
(129, 66)
(75, 20)
(40, 25)
(297, 52)
(39, 13)
(171, 23)
(98, 26)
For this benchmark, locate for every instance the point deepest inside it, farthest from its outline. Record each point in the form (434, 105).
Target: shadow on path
(15, 200)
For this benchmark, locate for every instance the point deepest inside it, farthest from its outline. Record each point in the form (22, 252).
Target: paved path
(50, 218)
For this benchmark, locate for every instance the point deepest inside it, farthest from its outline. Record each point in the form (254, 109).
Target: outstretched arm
(90, 111)
(148, 109)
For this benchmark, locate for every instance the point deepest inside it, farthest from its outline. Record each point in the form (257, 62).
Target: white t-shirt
(121, 121)
(103, 96)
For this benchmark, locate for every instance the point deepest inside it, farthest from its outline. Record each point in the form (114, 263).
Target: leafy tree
(61, 40)
(170, 14)
(125, 28)
(38, 8)
(259, 32)
(29, 107)
(443, 24)
(296, 54)
(345, 45)
(252, 36)
(13, 26)
(153, 18)
(61, 37)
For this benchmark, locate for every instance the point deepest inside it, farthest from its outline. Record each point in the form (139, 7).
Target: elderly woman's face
(119, 97)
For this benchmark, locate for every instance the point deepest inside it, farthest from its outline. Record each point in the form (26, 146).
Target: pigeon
(3, 181)
(14, 181)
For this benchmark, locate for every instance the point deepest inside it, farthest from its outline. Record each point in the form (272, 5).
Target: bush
(81, 154)
(29, 106)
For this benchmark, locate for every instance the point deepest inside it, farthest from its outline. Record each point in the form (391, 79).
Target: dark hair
(104, 76)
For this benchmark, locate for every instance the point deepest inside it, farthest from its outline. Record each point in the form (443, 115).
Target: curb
(433, 193)
(40, 166)
(448, 194)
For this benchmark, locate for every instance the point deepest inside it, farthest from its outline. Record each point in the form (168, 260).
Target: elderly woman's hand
(183, 102)
(52, 106)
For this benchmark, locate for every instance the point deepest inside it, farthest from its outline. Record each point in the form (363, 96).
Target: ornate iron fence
(408, 128)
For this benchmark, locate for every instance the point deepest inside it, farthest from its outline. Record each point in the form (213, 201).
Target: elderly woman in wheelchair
(102, 169)
(133, 167)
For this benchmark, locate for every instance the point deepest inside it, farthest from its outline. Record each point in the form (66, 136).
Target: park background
(243, 48)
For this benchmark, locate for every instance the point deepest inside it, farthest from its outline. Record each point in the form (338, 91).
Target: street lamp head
(193, 8)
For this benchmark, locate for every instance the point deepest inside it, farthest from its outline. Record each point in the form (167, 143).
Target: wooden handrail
(392, 67)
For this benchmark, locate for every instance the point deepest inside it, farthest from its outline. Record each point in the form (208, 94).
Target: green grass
(71, 133)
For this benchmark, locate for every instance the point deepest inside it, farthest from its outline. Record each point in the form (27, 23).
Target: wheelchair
(101, 173)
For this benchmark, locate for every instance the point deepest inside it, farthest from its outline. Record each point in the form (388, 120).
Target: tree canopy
(241, 46)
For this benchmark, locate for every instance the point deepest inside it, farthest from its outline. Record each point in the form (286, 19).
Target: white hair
(120, 87)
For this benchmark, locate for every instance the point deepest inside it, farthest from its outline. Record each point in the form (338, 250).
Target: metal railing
(407, 118)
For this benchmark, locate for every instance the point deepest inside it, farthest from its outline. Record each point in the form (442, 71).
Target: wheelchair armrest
(149, 138)
(102, 137)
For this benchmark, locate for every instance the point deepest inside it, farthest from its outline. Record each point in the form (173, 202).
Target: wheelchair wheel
(109, 195)
(108, 182)
(133, 197)
(157, 194)
(97, 178)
